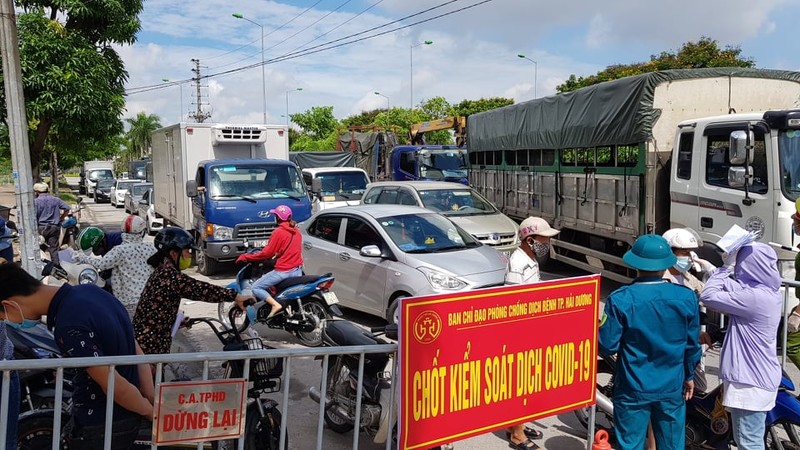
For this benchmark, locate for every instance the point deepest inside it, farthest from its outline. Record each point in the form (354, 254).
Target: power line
(340, 25)
(325, 46)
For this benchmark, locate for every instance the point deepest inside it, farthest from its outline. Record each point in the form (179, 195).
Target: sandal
(532, 433)
(274, 313)
(527, 444)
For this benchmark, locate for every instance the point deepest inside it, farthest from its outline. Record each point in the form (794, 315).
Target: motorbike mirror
(80, 200)
(391, 331)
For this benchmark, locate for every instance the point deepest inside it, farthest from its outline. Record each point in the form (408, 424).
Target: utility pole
(18, 135)
(199, 116)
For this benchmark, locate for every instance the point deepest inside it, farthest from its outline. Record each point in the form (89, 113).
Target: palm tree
(139, 134)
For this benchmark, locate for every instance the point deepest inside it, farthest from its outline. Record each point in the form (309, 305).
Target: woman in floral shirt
(161, 298)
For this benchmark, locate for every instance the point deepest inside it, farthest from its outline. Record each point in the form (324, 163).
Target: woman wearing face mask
(534, 236)
(158, 307)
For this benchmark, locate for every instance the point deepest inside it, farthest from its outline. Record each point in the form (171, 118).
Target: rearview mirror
(316, 185)
(741, 147)
(371, 251)
(737, 176)
(191, 188)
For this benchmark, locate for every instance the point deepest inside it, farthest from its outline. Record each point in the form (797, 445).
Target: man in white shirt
(534, 236)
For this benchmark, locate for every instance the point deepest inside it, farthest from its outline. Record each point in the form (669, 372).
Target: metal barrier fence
(208, 357)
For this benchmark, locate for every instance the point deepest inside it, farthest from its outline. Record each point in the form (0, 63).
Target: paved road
(561, 432)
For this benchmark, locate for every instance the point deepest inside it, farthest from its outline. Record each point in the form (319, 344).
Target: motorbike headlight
(222, 233)
(88, 276)
(442, 281)
(786, 269)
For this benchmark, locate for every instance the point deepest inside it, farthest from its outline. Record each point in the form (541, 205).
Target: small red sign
(473, 362)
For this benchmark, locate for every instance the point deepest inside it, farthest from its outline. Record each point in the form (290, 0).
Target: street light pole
(263, 76)
(411, 68)
(180, 85)
(287, 106)
(535, 72)
(387, 99)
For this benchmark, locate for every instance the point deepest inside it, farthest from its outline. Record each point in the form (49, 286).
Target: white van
(335, 186)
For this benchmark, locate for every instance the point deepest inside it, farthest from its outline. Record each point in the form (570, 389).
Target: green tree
(73, 78)
(140, 134)
(692, 55)
(467, 107)
(318, 122)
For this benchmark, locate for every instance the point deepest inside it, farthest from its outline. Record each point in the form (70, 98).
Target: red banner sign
(473, 362)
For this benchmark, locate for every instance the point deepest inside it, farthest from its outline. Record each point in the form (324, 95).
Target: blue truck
(378, 153)
(219, 181)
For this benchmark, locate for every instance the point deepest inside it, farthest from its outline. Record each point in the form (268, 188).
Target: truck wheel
(205, 264)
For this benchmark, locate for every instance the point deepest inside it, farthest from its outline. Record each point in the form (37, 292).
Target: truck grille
(495, 239)
(254, 231)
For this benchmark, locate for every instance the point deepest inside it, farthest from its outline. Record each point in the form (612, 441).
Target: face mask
(539, 249)
(683, 264)
(184, 263)
(26, 323)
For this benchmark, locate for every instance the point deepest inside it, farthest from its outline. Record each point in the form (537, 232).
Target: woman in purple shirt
(749, 370)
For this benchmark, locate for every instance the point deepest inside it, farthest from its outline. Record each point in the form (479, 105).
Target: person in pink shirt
(286, 246)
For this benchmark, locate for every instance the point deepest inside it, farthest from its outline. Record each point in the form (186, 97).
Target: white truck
(335, 186)
(93, 171)
(702, 148)
(220, 180)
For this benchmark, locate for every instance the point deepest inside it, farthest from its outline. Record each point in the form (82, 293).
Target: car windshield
(343, 183)
(232, 182)
(439, 164)
(100, 174)
(139, 189)
(789, 150)
(106, 183)
(426, 233)
(125, 185)
(456, 202)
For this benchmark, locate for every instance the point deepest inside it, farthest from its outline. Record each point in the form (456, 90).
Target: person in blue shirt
(6, 236)
(653, 327)
(50, 212)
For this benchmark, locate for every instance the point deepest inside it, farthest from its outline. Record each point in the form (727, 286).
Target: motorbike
(342, 382)
(70, 227)
(71, 272)
(708, 424)
(307, 302)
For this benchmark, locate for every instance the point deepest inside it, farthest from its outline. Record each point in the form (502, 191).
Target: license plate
(330, 297)
(257, 244)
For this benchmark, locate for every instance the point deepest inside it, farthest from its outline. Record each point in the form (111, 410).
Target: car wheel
(393, 313)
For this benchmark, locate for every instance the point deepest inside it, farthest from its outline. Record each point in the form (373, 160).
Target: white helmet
(133, 225)
(41, 187)
(684, 238)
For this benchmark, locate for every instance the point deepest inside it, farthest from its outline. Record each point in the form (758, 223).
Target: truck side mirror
(316, 185)
(741, 147)
(738, 176)
(191, 188)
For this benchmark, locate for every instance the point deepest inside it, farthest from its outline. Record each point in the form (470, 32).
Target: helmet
(536, 226)
(90, 237)
(682, 238)
(173, 238)
(283, 212)
(133, 225)
(41, 187)
(651, 253)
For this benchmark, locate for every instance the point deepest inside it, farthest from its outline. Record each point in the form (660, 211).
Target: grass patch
(68, 197)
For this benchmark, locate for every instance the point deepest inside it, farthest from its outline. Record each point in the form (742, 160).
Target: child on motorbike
(127, 262)
(286, 244)
(158, 306)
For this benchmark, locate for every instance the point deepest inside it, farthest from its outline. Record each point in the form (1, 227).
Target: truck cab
(335, 186)
(429, 162)
(231, 200)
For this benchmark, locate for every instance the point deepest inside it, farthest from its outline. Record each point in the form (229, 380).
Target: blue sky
(473, 54)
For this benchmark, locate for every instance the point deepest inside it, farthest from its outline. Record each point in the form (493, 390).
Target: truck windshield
(456, 202)
(347, 184)
(789, 150)
(100, 174)
(438, 164)
(232, 182)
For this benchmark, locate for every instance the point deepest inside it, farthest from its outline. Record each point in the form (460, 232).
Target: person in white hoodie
(127, 261)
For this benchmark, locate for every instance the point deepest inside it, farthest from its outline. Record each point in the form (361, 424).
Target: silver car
(380, 253)
(460, 203)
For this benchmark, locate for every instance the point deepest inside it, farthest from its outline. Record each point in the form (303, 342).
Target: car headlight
(222, 233)
(786, 269)
(88, 276)
(442, 281)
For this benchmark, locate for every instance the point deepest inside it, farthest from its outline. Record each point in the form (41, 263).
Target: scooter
(307, 302)
(71, 272)
(342, 382)
(708, 424)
